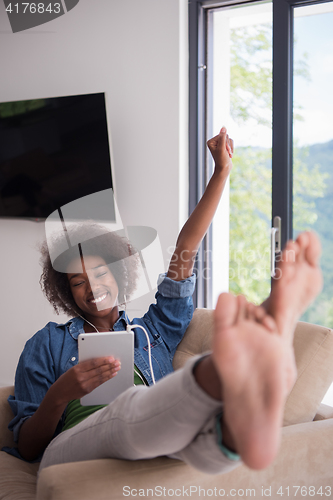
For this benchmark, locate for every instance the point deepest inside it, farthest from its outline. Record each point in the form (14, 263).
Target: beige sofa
(305, 460)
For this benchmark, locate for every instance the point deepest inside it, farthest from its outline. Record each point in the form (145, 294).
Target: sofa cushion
(197, 338)
(313, 346)
(305, 459)
(17, 478)
(6, 415)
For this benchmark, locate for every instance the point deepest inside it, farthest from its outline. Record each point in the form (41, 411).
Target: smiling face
(94, 290)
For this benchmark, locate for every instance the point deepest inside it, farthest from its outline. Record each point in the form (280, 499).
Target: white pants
(175, 418)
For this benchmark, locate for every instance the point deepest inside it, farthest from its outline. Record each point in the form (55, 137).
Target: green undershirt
(75, 412)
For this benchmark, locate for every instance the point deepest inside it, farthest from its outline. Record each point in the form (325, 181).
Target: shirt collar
(75, 325)
(121, 322)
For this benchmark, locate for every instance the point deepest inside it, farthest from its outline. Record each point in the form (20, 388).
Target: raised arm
(191, 235)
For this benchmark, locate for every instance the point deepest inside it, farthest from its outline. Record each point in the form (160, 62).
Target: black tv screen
(52, 151)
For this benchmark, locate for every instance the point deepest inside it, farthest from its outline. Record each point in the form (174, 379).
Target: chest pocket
(155, 343)
(160, 357)
(72, 361)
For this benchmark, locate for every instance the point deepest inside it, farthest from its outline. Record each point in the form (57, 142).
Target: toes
(269, 323)
(310, 247)
(226, 310)
(302, 241)
(259, 313)
(264, 319)
(251, 313)
(291, 252)
(313, 250)
(242, 308)
(290, 255)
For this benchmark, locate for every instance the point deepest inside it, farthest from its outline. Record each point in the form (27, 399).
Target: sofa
(303, 467)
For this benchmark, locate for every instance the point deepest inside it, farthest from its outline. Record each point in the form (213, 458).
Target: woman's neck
(102, 324)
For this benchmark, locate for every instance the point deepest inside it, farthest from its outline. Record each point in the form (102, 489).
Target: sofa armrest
(313, 345)
(6, 415)
(197, 338)
(305, 458)
(324, 412)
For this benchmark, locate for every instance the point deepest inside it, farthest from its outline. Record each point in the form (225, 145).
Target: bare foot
(298, 280)
(256, 369)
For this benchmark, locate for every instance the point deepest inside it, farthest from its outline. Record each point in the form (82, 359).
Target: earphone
(131, 327)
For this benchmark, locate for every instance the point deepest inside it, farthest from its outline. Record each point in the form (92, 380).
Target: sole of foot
(297, 282)
(256, 366)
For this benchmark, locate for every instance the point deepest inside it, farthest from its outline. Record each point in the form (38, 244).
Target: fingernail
(111, 359)
(223, 130)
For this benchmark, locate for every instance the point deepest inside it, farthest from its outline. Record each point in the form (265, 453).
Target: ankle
(207, 377)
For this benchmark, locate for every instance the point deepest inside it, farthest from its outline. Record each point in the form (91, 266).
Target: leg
(204, 453)
(252, 360)
(141, 423)
(254, 356)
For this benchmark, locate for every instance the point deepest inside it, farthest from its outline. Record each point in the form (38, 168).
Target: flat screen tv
(52, 152)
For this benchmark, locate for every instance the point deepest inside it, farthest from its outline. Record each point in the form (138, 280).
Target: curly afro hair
(112, 246)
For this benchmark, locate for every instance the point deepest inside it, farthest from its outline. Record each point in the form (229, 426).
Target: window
(239, 95)
(265, 70)
(244, 66)
(313, 141)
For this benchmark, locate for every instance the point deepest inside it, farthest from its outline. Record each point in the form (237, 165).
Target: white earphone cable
(131, 327)
(84, 319)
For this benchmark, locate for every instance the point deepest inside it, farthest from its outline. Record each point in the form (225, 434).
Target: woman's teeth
(99, 299)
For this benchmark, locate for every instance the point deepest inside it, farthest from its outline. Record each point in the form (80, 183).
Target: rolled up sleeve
(173, 311)
(176, 289)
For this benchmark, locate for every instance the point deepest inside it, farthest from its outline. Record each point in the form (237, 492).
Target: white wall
(136, 52)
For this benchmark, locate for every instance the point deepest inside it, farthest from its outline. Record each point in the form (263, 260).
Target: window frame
(282, 118)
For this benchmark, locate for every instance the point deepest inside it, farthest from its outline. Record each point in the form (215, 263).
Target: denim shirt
(54, 349)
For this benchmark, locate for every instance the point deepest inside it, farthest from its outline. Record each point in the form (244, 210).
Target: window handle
(275, 242)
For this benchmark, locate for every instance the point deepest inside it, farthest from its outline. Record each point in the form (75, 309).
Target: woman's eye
(100, 275)
(78, 284)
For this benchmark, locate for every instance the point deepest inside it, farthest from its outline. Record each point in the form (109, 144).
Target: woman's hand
(37, 431)
(222, 148)
(84, 378)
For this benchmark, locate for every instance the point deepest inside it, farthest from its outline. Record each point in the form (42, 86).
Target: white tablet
(120, 345)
